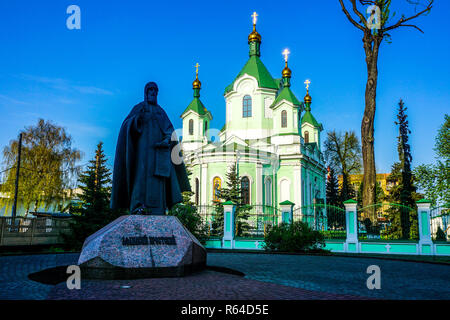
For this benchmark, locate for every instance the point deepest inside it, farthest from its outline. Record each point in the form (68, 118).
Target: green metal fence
(328, 219)
(387, 221)
(212, 217)
(253, 221)
(440, 223)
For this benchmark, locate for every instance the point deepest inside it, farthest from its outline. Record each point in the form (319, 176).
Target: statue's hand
(165, 143)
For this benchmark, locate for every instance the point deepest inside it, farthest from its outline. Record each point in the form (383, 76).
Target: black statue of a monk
(146, 180)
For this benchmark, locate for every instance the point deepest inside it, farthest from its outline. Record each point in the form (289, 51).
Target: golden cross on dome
(307, 83)
(254, 15)
(286, 53)
(196, 68)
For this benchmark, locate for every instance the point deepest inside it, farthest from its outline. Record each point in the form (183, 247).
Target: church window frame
(247, 106)
(268, 191)
(306, 136)
(284, 119)
(191, 127)
(245, 190)
(197, 191)
(217, 186)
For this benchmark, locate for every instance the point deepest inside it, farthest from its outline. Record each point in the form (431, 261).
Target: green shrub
(295, 237)
(440, 235)
(191, 219)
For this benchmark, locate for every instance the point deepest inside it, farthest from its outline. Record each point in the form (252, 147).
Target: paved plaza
(267, 276)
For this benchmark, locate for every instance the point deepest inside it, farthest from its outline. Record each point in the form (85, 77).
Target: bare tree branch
(411, 25)
(349, 17)
(403, 20)
(359, 14)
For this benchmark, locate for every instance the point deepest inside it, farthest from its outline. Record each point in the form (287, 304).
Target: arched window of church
(306, 137)
(206, 127)
(268, 191)
(217, 185)
(284, 119)
(197, 191)
(245, 190)
(191, 127)
(247, 107)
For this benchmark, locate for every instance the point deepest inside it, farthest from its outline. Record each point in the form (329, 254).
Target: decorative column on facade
(423, 216)
(351, 223)
(229, 209)
(287, 214)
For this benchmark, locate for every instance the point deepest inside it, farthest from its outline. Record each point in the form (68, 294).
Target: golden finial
(286, 71)
(196, 84)
(254, 35)
(307, 97)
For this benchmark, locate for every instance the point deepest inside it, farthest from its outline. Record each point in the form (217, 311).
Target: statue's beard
(152, 100)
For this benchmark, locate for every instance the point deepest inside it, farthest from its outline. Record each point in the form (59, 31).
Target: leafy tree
(48, 167)
(373, 36)
(434, 179)
(343, 153)
(233, 192)
(94, 211)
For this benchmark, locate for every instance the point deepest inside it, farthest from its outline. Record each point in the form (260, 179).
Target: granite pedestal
(139, 246)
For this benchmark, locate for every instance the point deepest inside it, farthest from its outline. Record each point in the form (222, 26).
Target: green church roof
(255, 68)
(309, 118)
(197, 106)
(288, 95)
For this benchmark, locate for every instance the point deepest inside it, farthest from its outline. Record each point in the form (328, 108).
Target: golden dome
(286, 73)
(307, 98)
(254, 36)
(196, 84)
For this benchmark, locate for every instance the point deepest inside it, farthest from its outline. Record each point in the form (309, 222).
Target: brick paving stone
(267, 276)
(206, 285)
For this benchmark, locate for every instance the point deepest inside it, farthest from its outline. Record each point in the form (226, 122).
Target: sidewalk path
(268, 276)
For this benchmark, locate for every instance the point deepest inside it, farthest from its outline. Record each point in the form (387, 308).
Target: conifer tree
(403, 222)
(94, 210)
(233, 192)
(332, 189)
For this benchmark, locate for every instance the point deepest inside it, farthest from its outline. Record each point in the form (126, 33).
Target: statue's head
(151, 93)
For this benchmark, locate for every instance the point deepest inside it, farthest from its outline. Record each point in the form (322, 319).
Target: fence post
(229, 209)
(351, 223)
(423, 217)
(287, 215)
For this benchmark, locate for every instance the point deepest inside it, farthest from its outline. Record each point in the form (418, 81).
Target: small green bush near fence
(293, 237)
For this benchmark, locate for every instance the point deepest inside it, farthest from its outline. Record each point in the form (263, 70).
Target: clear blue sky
(88, 80)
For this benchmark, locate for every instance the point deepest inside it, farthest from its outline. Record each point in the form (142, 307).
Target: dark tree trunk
(371, 46)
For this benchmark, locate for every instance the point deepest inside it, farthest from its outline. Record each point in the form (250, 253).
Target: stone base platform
(138, 246)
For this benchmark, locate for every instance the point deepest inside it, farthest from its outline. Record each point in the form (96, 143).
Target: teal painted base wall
(443, 249)
(335, 246)
(339, 246)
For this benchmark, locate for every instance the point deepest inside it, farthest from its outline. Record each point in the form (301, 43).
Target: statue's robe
(144, 174)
